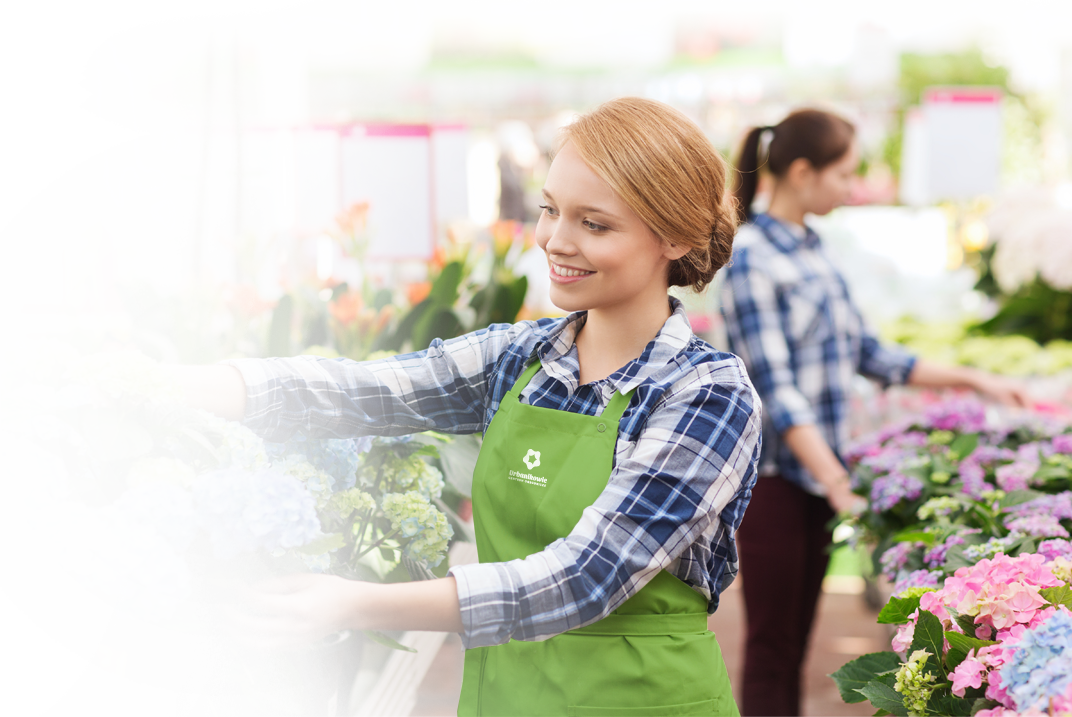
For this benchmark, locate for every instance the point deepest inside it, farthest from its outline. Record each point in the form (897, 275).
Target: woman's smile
(566, 274)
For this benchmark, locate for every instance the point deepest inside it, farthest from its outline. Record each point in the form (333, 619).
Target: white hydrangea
(427, 529)
(1034, 239)
(316, 480)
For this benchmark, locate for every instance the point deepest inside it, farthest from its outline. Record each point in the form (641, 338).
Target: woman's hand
(843, 500)
(1003, 390)
(298, 609)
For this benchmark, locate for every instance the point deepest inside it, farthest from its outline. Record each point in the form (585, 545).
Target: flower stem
(377, 544)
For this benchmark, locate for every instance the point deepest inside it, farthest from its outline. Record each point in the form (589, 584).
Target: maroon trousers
(782, 544)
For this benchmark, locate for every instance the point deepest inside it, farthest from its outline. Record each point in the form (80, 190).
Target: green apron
(537, 471)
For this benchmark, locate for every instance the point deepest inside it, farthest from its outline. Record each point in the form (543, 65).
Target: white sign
(33, 269)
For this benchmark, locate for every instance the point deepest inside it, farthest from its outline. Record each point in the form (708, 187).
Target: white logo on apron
(535, 459)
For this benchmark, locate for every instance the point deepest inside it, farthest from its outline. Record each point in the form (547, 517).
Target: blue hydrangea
(1040, 665)
(132, 565)
(164, 507)
(30, 477)
(241, 447)
(248, 511)
(338, 457)
(889, 490)
(50, 427)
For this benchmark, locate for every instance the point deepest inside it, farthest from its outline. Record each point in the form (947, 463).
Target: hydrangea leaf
(1017, 497)
(377, 636)
(897, 610)
(13, 375)
(184, 621)
(959, 647)
(929, 636)
(965, 444)
(282, 666)
(114, 438)
(884, 697)
(859, 672)
(981, 703)
(268, 691)
(323, 544)
(1060, 595)
(949, 705)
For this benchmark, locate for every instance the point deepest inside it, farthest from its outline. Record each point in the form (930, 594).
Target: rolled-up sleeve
(886, 364)
(753, 324)
(442, 388)
(685, 480)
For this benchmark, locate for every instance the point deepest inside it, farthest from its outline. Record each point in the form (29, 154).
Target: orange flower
(503, 234)
(354, 218)
(346, 308)
(243, 301)
(418, 291)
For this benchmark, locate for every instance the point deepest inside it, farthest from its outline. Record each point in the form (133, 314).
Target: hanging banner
(33, 266)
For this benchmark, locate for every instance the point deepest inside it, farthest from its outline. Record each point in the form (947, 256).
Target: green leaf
(859, 672)
(1048, 473)
(229, 673)
(950, 705)
(444, 289)
(929, 636)
(1017, 497)
(967, 624)
(897, 610)
(377, 636)
(1060, 595)
(268, 690)
(914, 536)
(226, 573)
(16, 408)
(113, 437)
(884, 697)
(959, 647)
(323, 544)
(13, 376)
(184, 621)
(955, 559)
(963, 445)
(282, 666)
(280, 328)
(981, 703)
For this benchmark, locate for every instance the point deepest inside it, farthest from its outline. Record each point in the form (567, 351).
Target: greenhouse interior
(286, 278)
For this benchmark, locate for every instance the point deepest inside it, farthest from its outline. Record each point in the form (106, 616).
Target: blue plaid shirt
(789, 316)
(684, 465)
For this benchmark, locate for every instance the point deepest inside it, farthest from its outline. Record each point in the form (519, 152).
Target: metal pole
(206, 137)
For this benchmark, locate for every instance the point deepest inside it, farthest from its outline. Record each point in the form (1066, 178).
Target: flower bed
(157, 511)
(970, 516)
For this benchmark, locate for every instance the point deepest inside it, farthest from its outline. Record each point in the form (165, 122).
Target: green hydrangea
(938, 507)
(915, 683)
(914, 592)
(125, 374)
(940, 438)
(348, 502)
(427, 529)
(41, 356)
(940, 477)
(317, 481)
(46, 599)
(160, 470)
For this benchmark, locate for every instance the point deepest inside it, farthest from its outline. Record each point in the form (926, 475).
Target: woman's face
(831, 187)
(600, 255)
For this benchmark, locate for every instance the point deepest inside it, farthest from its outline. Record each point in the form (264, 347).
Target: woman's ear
(673, 252)
(800, 172)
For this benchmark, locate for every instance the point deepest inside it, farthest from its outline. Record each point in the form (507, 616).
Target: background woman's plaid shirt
(789, 316)
(684, 466)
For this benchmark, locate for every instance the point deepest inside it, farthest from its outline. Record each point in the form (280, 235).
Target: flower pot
(319, 670)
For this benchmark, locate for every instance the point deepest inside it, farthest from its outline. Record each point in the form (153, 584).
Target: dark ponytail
(820, 137)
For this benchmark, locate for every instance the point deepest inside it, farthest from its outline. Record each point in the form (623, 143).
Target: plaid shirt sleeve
(686, 479)
(442, 388)
(885, 364)
(754, 326)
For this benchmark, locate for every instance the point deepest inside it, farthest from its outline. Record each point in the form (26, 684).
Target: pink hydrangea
(1062, 443)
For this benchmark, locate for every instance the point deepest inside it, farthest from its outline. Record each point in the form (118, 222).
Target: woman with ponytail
(619, 449)
(790, 317)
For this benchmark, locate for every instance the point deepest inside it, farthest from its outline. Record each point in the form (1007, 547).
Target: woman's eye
(547, 209)
(595, 227)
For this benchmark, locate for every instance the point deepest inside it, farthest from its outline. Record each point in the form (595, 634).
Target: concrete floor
(845, 629)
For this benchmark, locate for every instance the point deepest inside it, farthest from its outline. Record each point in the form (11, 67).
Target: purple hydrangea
(132, 565)
(338, 457)
(1059, 506)
(1038, 526)
(249, 511)
(895, 558)
(1062, 443)
(1015, 476)
(165, 507)
(966, 416)
(1056, 548)
(935, 557)
(916, 579)
(891, 489)
(30, 477)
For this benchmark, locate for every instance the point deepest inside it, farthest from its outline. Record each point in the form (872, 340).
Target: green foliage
(859, 672)
(1036, 310)
(929, 636)
(1060, 595)
(959, 647)
(882, 696)
(897, 610)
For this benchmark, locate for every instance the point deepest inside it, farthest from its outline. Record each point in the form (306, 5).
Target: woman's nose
(559, 241)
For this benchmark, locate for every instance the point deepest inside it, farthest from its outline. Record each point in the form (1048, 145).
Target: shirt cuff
(789, 408)
(261, 385)
(488, 603)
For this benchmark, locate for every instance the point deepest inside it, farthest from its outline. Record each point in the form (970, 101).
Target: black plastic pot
(319, 671)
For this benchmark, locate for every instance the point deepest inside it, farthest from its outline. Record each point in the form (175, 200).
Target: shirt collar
(781, 236)
(558, 354)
